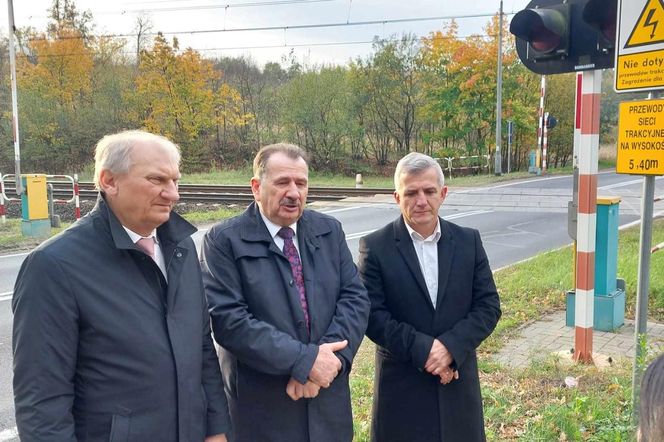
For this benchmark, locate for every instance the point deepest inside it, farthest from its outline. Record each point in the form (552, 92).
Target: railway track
(220, 194)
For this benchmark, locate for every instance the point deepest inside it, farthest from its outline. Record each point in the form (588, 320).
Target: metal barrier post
(449, 166)
(77, 198)
(3, 218)
(55, 219)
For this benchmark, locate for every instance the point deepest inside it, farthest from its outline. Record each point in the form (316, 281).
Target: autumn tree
(460, 90)
(442, 133)
(178, 94)
(54, 79)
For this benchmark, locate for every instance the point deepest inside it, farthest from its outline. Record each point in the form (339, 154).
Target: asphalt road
(511, 232)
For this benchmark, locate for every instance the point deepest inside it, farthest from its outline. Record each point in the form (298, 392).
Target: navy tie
(296, 267)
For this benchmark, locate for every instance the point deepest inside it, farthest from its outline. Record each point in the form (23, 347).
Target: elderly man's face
(143, 197)
(282, 192)
(419, 198)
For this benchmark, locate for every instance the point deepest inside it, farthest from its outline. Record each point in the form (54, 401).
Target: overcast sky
(323, 45)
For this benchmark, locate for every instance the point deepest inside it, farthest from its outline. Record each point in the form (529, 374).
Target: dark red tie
(296, 267)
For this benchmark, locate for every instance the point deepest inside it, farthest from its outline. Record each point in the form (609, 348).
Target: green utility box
(609, 302)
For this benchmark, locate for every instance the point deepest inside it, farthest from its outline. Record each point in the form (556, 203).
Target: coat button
(178, 255)
(300, 324)
(291, 282)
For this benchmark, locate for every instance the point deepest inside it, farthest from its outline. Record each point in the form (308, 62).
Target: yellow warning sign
(639, 62)
(649, 27)
(641, 138)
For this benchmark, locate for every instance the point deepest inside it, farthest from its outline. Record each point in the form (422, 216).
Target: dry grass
(607, 153)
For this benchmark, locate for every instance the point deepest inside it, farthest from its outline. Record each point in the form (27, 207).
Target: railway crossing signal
(558, 36)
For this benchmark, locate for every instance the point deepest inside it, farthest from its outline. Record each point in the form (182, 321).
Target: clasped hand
(439, 361)
(326, 367)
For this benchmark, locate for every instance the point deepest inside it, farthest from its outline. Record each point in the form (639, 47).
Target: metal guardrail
(54, 180)
(220, 194)
(449, 167)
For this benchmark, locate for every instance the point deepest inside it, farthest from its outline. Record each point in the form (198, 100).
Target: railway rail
(224, 194)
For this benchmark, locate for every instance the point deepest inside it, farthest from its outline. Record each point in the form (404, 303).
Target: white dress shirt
(274, 230)
(427, 255)
(158, 254)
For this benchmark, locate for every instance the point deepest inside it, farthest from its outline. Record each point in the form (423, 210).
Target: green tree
(391, 85)
(559, 103)
(316, 113)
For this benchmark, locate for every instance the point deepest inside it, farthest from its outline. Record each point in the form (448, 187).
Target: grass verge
(11, 237)
(533, 403)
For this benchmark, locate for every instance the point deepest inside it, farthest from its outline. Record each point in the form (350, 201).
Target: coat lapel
(405, 246)
(172, 234)
(446, 246)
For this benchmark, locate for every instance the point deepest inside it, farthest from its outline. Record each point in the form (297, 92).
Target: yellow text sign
(640, 71)
(641, 138)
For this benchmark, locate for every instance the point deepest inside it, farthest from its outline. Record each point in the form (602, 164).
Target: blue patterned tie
(296, 267)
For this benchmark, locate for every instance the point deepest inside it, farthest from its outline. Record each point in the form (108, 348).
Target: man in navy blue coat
(111, 331)
(289, 321)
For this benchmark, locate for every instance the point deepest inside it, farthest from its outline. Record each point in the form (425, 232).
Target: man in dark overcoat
(287, 307)
(111, 333)
(433, 301)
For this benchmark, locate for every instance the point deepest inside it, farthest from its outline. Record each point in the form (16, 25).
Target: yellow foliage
(60, 67)
(182, 94)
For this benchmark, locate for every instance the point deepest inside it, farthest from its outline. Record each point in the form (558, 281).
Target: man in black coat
(287, 308)
(433, 301)
(111, 333)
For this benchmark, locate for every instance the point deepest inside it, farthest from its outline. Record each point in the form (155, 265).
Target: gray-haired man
(111, 332)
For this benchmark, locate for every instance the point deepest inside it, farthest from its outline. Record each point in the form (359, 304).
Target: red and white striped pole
(76, 197)
(591, 88)
(540, 127)
(2, 202)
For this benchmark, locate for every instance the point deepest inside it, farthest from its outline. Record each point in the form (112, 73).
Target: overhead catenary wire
(220, 6)
(285, 27)
(225, 6)
(296, 45)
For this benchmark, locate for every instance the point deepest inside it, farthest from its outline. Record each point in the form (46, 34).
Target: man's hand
(439, 358)
(216, 438)
(296, 391)
(448, 375)
(327, 364)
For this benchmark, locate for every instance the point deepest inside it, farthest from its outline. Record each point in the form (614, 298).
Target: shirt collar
(135, 236)
(274, 228)
(434, 237)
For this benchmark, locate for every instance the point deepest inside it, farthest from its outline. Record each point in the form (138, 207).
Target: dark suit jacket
(410, 405)
(99, 355)
(258, 321)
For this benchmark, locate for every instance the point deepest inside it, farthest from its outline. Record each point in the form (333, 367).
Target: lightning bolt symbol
(653, 24)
